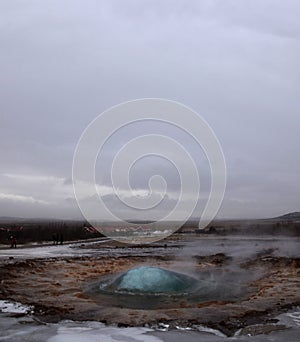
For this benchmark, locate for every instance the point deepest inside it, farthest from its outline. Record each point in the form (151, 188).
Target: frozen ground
(26, 328)
(49, 251)
(237, 246)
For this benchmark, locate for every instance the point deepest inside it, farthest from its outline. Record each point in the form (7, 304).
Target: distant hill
(295, 216)
(11, 219)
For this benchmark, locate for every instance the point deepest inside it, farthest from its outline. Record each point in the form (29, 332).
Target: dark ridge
(290, 216)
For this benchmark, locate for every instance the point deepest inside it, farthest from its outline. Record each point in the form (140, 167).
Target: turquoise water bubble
(148, 279)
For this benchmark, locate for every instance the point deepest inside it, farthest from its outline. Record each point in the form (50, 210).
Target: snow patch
(215, 332)
(14, 307)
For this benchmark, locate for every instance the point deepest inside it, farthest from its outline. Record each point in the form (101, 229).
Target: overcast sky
(234, 62)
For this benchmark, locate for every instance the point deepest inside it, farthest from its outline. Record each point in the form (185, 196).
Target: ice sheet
(98, 332)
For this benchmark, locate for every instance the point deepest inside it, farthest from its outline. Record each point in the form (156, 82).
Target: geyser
(151, 288)
(147, 279)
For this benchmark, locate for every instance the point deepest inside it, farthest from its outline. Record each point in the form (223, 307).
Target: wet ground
(261, 276)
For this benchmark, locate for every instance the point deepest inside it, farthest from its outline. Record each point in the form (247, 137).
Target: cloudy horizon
(65, 62)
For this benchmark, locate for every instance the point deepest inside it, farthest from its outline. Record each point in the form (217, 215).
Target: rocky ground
(56, 286)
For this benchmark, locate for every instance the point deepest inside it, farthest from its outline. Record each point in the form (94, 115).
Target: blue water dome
(148, 279)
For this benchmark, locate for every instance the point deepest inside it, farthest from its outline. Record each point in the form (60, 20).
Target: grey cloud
(236, 63)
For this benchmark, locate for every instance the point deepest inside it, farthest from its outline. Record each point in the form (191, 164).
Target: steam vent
(148, 279)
